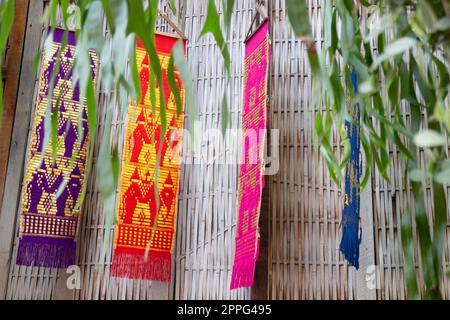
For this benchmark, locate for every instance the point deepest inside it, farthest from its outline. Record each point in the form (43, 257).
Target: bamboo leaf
(172, 6)
(227, 6)
(429, 138)
(408, 252)
(171, 77)
(393, 49)
(186, 77)
(212, 25)
(297, 12)
(418, 175)
(225, 115)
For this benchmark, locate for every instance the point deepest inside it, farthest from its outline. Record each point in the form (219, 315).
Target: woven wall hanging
(351, 230)
(49, 210)
(142, 199)
(251, 178)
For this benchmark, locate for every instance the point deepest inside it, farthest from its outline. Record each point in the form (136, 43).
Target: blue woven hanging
(351, 230)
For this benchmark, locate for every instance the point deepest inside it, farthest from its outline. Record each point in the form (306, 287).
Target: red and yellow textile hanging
(140, 200)
(251, 178)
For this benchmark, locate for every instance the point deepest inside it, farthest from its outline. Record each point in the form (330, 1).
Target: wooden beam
(14, 175)
(262, 10)
(260, 288)
(11, 77)
(364, 290)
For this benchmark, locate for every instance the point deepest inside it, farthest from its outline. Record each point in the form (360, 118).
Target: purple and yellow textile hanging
(351, 231)
(49, 211)
(251, 178)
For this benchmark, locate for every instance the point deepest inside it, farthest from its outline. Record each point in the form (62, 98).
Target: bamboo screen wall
(305, 206)
(207, 202)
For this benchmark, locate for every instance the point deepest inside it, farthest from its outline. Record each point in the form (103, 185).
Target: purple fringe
(47, 255)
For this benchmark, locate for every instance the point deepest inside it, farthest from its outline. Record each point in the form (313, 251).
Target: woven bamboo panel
(207, 201)
(305, 205)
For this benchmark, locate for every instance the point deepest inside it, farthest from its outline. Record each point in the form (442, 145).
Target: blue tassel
(350, 223)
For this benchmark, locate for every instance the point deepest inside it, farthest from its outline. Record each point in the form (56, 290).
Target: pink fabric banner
(251, 178)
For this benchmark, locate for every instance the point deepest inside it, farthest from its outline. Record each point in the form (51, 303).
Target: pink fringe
(133, 266)
(243, 273)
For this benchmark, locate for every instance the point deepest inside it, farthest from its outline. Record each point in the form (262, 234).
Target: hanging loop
(172, 23)
(261, 15)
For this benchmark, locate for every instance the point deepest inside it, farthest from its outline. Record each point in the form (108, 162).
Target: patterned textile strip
(140, 203)
(49, 211)
(351, 234)
(251, 178)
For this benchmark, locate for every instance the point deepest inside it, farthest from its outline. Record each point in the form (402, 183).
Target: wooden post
(11, 73)
(14, 176)
(261, 284)
(364, 291)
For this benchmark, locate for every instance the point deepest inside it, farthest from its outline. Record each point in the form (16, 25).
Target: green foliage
(297, 11)
(409, 68)
(212, 25)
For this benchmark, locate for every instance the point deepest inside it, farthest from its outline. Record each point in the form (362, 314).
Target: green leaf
(172, 6)
(212, 25)
(327, 18)
(382, 24)
(135, 74)
(418, 175)
(422, 82)
(186, 77)
(107, 177)
(297, 12)
(443, 177)
(439, 230)
(408, 252)
(171, 78)
(368, 87)
(428, 139)
(91, 109)
(144, 28)
(225, 115)
(54, 134)
(398, 46)
(227, 6)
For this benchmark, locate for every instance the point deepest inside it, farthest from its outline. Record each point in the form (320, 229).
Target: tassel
(157, 266)
(243, 273)
(351, 234)
(350, 242)
(48, 255)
